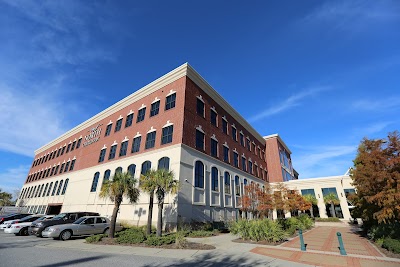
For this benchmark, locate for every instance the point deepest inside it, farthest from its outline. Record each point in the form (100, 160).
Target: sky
(321, 74)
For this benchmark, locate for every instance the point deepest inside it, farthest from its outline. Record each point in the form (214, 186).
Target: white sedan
(20, 227)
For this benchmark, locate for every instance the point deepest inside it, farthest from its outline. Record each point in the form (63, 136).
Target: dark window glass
(62, 168)
(200, 107)
(136, 144)
(49, 190)
(214, 179)
(102, 154)
(129, 120)
(94, 182)
(54, 188)
(308, 192)
(113, 149)
(155, 107)
(72, 165)
(123, 149)
(150, 140)
(78, 144)
(248, 144)
(73, 145)
(227, 180)
(237, 186)
(65, 186)
(224, 126)
(54, 155)
(52, 170)
(62, 151)
(108, 129)
(47, 157)
(118, 170)
(118, 125)
(167, 133)
(250, 167)
(170, 101)
(199, 174)
(40, 191)
(213, 117)
(66, 166)
(236, 159)
(68, 148)
(48, 172)
(141, 115)
(132, 169)
(107, 174)
(234, 134)
(214, 148)
(59, 187)
(199, 140)
(242, 139)
(163, 163)
(244, 164)
(145, 167)
(226, 154)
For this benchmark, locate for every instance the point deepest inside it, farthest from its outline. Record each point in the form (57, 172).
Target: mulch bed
(187, 245)
(262, 242)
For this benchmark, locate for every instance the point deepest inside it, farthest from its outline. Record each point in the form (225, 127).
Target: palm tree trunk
(114, 218)
(159, 221)
(150, 215)
(333, 210)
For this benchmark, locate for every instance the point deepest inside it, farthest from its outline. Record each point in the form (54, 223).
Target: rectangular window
(73, 145)
(78, 144)
(213, 118)
(66, 166)
(62, 168)
(226, 154)
(72, 165)
(155, 107)
(62, 151)
(214, 148)
(224, 126)
(56, 170)
(124, 147)
(248, 144)
(234, 134)
(200, 107)
(136, 144)
(167, 133)
(108, 129)
(129, 120)
(236, 159)
(244, 164)
(199, 140)
(141, 114)
(118, 125)
(308, 192)
(150, 140)
(170, 102)
(112, 152)
(54, 154)
(68, 148)
(241, 139)
(254, 148)
(250, 167)
(52, 171)
(101, 157)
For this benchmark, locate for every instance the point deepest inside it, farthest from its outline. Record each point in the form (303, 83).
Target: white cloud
(292, 101)
(378, 105)
(373, 128)
(12, 179)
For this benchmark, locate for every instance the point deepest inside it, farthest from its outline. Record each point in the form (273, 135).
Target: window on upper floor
(102, 155)
(62, 151)
(65, 187)
(107, 175)
(226, 154)
(227, 181)
(141, 114)
(214, 118)
(155, 108)
(73, 145)
(118, 125)
(66, 166)
(224, 126)
(54, 154)
(123, 149)
(170, 101)
(78, 144)
(129, 120)
(163, 163)
(108, 129)
(72, 165)
(199, 174)
(49, 190)
(118, 170)
(146, 166)
(54, 188)
(59, 187)
(234, 134)
(68, 148)
(113, 149)
(62, 167)
(200, 107)
(237, 185)
(150, 140)
(214, 148)
(254, 148)
(167, 133)
(250, 167)
(199, 140)
(132, 170)
(95, 182)
(52, 170)
(248, 145)
(244, 163)
(257, 172)
(136, 144)
(214, 179)
(235, 159)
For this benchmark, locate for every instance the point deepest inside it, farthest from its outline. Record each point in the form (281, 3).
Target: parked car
(6, 220)
(62, 218)
(88, 225)
(21, 227)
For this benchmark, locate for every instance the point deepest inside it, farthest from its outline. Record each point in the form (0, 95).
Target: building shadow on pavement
(75, 262)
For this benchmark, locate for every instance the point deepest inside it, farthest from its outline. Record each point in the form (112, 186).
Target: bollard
(341, 246)
(302, 245)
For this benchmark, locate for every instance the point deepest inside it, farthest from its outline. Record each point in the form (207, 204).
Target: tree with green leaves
(333, 200)
(5, 198)
(376, 176)
(312, 200)
(148, 184)
(165, 184)
(122, 184)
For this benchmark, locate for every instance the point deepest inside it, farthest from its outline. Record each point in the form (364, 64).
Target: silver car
(88, 225)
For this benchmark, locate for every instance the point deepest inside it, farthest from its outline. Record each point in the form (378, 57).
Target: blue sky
(321, 74)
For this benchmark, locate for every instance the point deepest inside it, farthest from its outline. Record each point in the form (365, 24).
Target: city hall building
(178, 122)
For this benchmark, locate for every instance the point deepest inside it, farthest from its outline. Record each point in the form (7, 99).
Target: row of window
(36, 209)
(166, 137)
(56, 153)
(65, 167)
(246, 165)
(163, 163)
(154, 110)
(37, 190)
(251, 146)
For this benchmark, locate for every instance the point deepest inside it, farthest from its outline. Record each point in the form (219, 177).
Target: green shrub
(258, 230)
(94, 238)
(305, 222)
(200, 233)
(159, 241)
(384, 230)
(392, 245)
(131, 236)
(180, 240)
(330, 219)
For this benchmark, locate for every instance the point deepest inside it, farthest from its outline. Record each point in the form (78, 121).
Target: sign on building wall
(93, 136)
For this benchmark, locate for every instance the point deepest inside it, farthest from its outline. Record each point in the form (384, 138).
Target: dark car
(13, 216)
(37, 228)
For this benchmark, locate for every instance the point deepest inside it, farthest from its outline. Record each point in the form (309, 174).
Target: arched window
(65, 186)
(163, 163)
(132, 169)
(45, 190)
(237, 185)
(49, 190)
(94, 182)
(59, 187)
(145, 167)
(54, 188)
(214, 179)
(199, 174)
(119, 169)
(227, 179)
(245, 181)
(107, 174)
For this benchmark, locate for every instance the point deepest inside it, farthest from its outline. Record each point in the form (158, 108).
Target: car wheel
(24, 231)
(107, 231)
(65, 235)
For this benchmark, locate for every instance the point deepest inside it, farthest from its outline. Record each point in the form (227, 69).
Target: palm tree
(333, 200)
(148, 184)
(122, 184)
(313, 201)
(165, 184)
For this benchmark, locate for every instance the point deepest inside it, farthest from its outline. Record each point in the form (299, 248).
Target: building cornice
(272, 136)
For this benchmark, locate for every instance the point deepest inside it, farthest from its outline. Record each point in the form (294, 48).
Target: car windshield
(27, 218)
(79, 220)
(59, 216)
